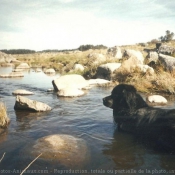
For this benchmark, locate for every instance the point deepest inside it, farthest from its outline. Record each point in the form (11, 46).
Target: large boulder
(133, 53)
(115, 52)
(71, 81)
(166, 50)
(23, 103)
(168, 62)
(105, 71)
(12, 75)
(67, 150)
(22, 92)
(127, 65)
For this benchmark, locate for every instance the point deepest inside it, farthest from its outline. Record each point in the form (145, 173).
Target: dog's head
(124, 98)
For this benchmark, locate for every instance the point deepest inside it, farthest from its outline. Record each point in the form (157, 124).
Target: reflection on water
(125, 152)
(84, 117)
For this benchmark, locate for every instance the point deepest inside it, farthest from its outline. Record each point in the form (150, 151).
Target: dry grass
(160, 82)
(63, 62)
(4, 120)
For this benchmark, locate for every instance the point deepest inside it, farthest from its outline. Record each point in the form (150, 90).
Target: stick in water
(2, 157)
(30, 164)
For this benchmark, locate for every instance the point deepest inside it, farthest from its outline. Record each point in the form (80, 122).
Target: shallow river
(109, 151)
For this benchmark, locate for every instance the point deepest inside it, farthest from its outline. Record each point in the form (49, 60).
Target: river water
(110, 151)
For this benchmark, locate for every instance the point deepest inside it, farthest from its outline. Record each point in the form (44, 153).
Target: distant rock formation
(7, 58)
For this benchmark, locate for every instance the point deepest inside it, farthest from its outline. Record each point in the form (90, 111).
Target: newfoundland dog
(132, 114)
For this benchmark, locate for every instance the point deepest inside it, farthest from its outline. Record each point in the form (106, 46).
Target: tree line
(28, 51)
(88, 46)
(168, 36)
(18, 51)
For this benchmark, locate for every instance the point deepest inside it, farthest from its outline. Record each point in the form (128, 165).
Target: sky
(67, 24)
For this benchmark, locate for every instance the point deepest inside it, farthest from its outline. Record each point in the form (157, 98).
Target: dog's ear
(134, 100)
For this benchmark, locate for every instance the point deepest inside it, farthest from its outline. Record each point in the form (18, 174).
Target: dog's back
(134, 115)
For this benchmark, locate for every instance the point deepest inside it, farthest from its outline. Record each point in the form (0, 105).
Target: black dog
(134, 115)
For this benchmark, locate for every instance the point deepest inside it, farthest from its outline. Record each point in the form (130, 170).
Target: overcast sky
(67, 24)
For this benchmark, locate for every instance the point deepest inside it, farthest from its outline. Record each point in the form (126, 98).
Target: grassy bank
(63, 62)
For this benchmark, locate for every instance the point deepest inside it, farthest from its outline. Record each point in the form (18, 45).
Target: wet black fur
(134, 115)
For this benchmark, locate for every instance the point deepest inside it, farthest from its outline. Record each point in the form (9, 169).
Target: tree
(168, 37)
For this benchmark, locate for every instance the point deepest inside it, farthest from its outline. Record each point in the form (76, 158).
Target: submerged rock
(12, 75)
(23, 103)
(98, 81)
(67, 150)
(49, 71)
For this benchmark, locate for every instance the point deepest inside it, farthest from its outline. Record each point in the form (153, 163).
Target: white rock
(98, 81)
(134, 53)
(50, 90)
(115, 52)
(78, 67)
(49, 71)
(111, 67)
(70, 92)
(157, 99)
(72, 81)
(105, 71)
(38, 70)
(144, 68)
(22, 92)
